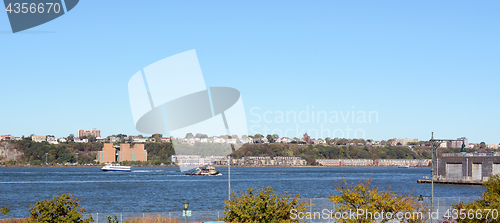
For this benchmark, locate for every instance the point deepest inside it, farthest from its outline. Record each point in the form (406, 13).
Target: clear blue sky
(422, 66)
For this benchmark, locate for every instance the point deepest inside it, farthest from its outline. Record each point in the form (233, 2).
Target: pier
(444, 181)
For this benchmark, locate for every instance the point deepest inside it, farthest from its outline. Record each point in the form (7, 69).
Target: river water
(162, 189)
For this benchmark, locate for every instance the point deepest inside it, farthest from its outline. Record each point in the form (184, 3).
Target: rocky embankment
(7, 152)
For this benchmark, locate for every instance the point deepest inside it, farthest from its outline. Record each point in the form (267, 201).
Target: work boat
(115, 167)
(204, 171)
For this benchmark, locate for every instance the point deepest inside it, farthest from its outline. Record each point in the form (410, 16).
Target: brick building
(108, 154)
(132, 153)
(89, 132)
(124, 152)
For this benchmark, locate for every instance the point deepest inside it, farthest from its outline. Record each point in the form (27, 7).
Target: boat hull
(115, 168)
(202, 174)
(108, 170)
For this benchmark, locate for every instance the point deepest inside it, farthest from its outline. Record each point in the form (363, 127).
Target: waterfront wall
(378, 162)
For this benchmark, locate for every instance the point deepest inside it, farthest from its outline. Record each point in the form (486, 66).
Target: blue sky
(421, 66)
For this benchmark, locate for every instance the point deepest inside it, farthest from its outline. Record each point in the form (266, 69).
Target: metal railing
(196, 216)
(319, 206)
(313, 205)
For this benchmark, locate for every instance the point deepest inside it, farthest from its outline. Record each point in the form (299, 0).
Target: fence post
(310, 208)
(438, 208)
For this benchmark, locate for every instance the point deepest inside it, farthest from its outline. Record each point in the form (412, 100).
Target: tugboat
(204, 171)
(115, 167)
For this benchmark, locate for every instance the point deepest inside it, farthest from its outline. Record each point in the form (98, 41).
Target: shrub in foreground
(371, 200)
(263, 205)
(485, 209)
(62, 209)
(152, 219)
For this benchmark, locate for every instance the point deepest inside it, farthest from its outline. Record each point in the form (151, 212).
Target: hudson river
(162, 189)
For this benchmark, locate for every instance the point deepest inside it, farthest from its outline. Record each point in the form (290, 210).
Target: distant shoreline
(177, 166)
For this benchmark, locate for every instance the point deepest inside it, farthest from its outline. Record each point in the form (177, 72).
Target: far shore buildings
(197, 160)
(37, 138)
(9, 137)
(89, 132)
(402, 142)
(124, 152)
(377, 162)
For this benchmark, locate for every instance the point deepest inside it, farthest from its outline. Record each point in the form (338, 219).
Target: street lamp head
(185, 204)
(463, 150)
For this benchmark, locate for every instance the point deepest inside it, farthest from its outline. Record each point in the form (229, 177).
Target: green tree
(91, 138)
(353, 198)
(263, 205)
(270, 138)
(257, 136)
(62, 209)
(483, 207)
(157, 135)
(110, 219)
(482, 145)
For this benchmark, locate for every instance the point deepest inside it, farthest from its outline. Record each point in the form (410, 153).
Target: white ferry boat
(115, 167)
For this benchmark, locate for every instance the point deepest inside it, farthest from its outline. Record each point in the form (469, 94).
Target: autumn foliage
(354, 198)
(263, 205)
(62, 209)
(485, 209)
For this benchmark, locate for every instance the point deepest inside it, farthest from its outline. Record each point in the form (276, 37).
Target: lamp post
(435, 145)
(185, 205)
(76, 158)
(229, 176)
(46, 163)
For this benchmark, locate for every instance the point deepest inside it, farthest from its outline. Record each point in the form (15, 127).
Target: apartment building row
(378, 162)
(197, 160)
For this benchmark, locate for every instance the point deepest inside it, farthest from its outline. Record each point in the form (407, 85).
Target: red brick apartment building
(124, 152)
(89, 132)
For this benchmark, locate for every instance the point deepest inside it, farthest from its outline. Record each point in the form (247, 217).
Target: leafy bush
(261, 206)
(62, 209)
(112, 220)
(5, 210)
(484, 209)
(360, 197)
